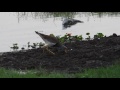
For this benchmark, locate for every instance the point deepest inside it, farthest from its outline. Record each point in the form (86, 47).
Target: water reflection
(51, 22)
(44, 15)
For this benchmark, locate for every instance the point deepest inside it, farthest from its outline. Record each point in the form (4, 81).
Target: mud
(81, 55)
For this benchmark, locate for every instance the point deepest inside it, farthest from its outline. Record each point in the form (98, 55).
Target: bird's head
(38, 33)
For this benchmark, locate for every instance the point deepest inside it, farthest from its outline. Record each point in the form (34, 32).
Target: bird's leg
(43, 47)
(46, 47)
(66, 50)
(50, 51)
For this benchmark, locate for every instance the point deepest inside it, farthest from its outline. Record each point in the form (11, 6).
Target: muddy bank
(84, 54)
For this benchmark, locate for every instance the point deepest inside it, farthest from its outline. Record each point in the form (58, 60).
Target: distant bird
(69, 22)
(51, 41)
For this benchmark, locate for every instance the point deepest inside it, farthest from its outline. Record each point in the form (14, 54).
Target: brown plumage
(51, 41)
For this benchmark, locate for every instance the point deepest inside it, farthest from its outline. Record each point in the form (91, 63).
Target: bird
(69, 22)
(51, 41)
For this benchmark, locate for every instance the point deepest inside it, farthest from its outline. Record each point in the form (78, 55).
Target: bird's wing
(49, 42)
(66, 20)
(48, 39)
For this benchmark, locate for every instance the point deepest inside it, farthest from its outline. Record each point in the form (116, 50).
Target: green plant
(98, 35)
(77, 38)
(63, 39)
(68, 38)
(40, 44)
(88, 34)
(15, 47)
(22, 48)
(28, 45)
(34, 46)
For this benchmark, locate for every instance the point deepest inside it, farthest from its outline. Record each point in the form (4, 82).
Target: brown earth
(84, 54)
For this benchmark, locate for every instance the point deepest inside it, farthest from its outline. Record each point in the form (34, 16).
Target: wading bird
(51, 41)
(69, 22)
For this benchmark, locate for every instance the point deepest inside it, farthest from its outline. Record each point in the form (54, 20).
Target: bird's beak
(36, 32)
(80, 21)
(66, 50)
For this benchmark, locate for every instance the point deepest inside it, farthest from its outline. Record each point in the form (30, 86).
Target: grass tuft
(109, 72)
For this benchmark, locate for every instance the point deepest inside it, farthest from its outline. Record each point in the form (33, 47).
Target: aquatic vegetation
(88, 34)
(98, 35)
(15, 47)
(67, 38)
(37, 45)
(45, 15)
(28, 45)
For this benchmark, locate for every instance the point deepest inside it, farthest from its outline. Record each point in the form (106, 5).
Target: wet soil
(81, 55)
